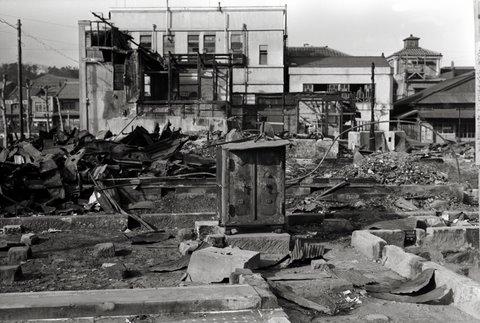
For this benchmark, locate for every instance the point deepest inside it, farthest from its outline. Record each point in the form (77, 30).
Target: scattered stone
(449, 217)
(10, 274)
(368, 244)
(115, 270)
(12, 229)
(104, 250)
(29, 239)
(439, 204)
(204, 228)
(185, 234)
(215, 265)
(336, 225)
(188, 246)
(394, 237)
(403, 263)
(461, 223)
(452, 238)
(216, 240)
(431, 220)
(405, 205)
(272, 243)
(320, 264)
(18, 254)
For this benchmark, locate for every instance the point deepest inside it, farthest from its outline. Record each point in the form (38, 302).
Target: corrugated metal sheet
(448, 114)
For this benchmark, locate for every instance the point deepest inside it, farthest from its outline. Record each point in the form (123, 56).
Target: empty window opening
(236, 43)
(146, 41)
(192, 44)
(209, 44)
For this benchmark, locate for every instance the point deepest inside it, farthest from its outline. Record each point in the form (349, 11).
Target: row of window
(193, 45)
(362, 92)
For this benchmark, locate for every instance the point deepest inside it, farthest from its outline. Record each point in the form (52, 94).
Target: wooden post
(20, 82)
(59, 107)
(4, 112)
(372, 115)
(29, 109)
(477, 87)
(45, 90)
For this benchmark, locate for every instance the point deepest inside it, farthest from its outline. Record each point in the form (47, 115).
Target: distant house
(323, 69)
(448, 107)
(414, 68)
(43, 93)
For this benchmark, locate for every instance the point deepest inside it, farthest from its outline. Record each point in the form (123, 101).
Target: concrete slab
(75, 304)
(452, 238)
(403, 263)
(393, 237)
(274, 243)
(368, 244)
(215, 264)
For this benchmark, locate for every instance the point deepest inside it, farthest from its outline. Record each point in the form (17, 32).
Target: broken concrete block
(212, 264)
(185, 234)
(337, 225)
(29, 239)
(403, 263)
(234, 277)
(368, 244)
(18, 254)
(439, 204)
(394, 237)
(204, 228)
(216, 240)
(10, 274)
(419, 236)
(452, 238)
(115, 270)
(273, 243)
(188, 246)
(104, 250)
(320, 264)
(12, 229)
(430, 220)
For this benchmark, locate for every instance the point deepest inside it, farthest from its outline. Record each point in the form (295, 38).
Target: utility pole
(372, 115)
(45, 91)
(28, 84)
(4, 112)
(20, 87)
(477, 87)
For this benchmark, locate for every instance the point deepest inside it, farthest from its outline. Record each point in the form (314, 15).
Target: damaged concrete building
(177, 65)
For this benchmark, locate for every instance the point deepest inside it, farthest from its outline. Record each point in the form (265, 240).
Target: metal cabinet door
(270, 186)
(241, 166)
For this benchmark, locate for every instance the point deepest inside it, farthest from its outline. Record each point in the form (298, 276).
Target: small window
(209, 44)
(118, 81)
(263, 55)
(146, 41)
(307, 87)
(39, 107)
(236, 43)
(168, 44)
(192, 44)
(146, 86)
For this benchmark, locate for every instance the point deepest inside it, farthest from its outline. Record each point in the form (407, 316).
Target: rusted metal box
(251, 180)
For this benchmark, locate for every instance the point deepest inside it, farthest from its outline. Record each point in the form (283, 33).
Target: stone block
(12, 229)
(215, 265)
(419, 236)
(18, 254)
(10, 274)
(451, 238)
(216, 240)
(466, 292)
(188, 246)
(368, 244)
(115, 270)
(104, 250)
(403, 263)
(320, 264)
(204, 228)
(272, 243)
(393, 237)
(29, 239)
(430, 220)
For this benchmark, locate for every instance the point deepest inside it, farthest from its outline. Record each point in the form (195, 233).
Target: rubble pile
(58, 172)
(393, 168)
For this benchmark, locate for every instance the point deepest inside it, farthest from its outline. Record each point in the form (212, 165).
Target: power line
(42, 21)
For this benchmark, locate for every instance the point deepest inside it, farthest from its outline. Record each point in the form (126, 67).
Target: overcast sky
(357, 27)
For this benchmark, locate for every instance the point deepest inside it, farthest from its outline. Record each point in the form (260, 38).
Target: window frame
(209, 42)
(263, 52)
(189, 42)
(240, 36)
(143, 44)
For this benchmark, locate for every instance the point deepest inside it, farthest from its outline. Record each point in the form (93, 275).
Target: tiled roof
(311, 51)
(69, 91)
(338, 61)
(416, 51)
